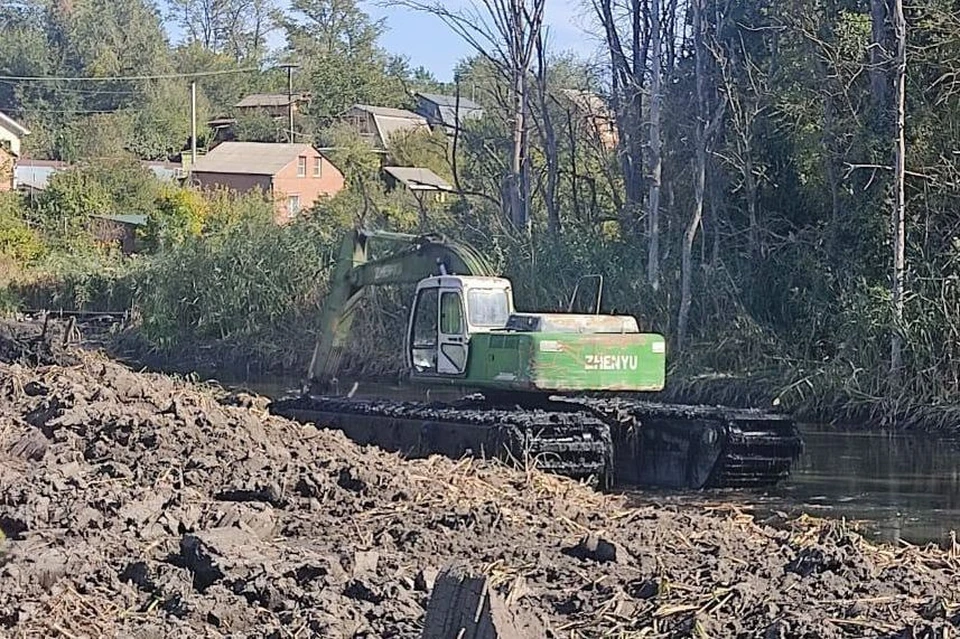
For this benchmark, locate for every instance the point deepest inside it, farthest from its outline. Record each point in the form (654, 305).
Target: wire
(166, 76)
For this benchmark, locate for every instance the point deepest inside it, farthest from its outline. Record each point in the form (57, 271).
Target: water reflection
(906, 486)
(899, 486)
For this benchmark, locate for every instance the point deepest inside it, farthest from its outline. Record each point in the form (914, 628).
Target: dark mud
(139, 505)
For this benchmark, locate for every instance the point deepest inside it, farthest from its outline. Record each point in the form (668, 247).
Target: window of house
(293, 205)
(301, 166)
(317, 166)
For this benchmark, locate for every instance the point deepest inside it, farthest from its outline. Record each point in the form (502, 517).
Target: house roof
(447, 108)
(388, 121)
(588, 103)
(132, 219)
(388, 112)
(418, 179)
(449, 101)
(35, 174)
(12, 125)
(250, 158)
(262, 100)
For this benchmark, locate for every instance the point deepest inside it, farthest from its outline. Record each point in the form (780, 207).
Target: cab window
(489, 307)
(423, 344)
(451, 315)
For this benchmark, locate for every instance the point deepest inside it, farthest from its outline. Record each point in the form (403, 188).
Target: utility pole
(193, 125)
(290, 66)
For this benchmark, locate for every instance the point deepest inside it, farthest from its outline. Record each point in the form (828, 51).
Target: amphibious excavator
(564, 389)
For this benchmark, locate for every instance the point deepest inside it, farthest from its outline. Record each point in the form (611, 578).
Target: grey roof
(12, 125)
(418, 179)
(449, 100)
(447, 109)
(35, 174)
(35, 177)
(270, 100)
(133, 219)
(388, 112)
(250, 158)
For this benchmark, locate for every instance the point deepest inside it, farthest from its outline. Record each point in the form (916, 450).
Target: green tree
(342, 63)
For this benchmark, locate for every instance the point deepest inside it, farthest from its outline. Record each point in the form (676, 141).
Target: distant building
(446, 111)
(117, 230)
(296, 175)
(276, 105)
(417, 180)
(11, 134)
(376, 124)
(32, 176)
(594, 113)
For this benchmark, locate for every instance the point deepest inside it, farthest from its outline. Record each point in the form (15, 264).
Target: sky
(426, 41)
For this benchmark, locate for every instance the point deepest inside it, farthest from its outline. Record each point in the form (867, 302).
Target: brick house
(11, 133)
(295, 175)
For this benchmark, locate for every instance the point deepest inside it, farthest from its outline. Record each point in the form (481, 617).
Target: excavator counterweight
(561, 389)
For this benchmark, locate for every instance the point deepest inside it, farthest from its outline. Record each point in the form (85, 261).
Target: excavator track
(572, 443)
(692, 446)
(612, 440)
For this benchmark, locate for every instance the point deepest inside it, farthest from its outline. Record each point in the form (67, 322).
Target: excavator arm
(413, 258)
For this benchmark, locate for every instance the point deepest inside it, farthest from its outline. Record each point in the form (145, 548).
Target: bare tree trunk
(899, 210)
(878, 54)
(750, 186)
(656, 161)
(704, 131)
(574, 184)
(628, 81)
(550, 153)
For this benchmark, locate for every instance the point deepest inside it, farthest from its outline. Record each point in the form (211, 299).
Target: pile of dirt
(37, 342)
(141, 505)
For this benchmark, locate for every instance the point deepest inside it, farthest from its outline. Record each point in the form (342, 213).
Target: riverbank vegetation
(732, 175)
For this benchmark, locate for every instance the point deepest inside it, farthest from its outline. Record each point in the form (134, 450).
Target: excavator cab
(447, 310)
(464, 330)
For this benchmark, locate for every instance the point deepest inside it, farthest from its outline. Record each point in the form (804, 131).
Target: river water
(894, 486)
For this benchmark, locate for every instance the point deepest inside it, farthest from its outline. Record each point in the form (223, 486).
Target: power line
(124, 78)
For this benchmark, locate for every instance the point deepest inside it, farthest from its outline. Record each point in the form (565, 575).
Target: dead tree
(706, 126)
(548, 137)
(628, 64)
(899, 207)
(505, 32)
(656, 156)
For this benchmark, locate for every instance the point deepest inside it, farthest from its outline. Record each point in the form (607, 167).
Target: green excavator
(564, 390)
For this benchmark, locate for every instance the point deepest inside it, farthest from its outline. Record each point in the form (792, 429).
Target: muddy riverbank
(136, 504)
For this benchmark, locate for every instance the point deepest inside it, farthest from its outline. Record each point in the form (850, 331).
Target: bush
(246, 281)
(179, 214)
(18, 241)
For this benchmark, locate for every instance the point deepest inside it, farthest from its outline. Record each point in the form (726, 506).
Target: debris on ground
(141, 505)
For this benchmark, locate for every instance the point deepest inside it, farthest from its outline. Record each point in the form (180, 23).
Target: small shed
(275, 104)
(416, 179)
(421, 183)
(118, 229)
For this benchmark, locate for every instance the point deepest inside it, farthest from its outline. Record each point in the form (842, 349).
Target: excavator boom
(414, 258)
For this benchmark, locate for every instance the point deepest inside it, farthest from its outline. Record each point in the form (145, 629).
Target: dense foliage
(767, 185)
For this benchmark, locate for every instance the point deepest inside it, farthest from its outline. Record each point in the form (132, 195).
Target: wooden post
(462, 606)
